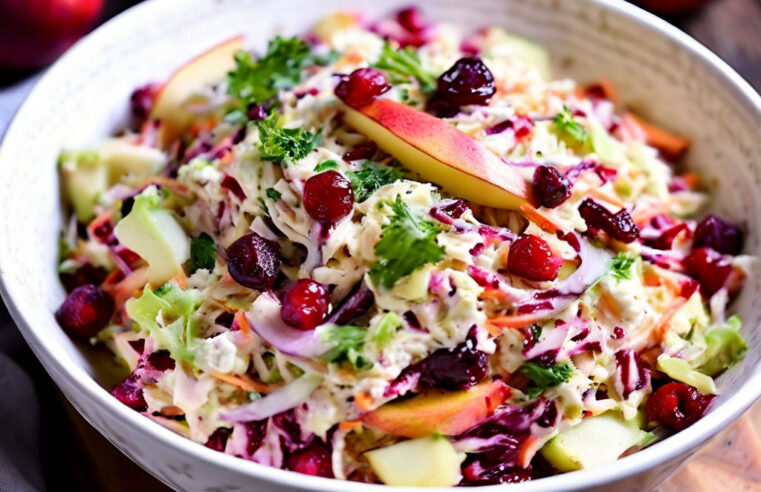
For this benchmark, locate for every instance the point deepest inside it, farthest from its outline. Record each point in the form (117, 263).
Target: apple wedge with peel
(438, 412)
(440, 153)
(206, 68)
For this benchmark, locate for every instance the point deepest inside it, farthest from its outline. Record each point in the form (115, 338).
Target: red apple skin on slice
(443, 412)
(440, 153)
(208, 67)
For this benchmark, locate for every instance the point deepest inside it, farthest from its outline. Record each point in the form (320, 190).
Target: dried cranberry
(130, 393)
(328, 196)
(454, 369)
(218, 439)
(253, 261)
(305, 305)
(362, 151)
(231, 184)
(86, 274)
(619, 226)
(314, 460)
(552, 188)
(85, 311)
(719, 235)
(411, 19)
(356, 303)
(141, 101)
(255, 432)
(477, 470)
(677, 405)
(161, 361)
(468, 81)
(531, 257)
(362, 86)
(440, 107)
(709, 267)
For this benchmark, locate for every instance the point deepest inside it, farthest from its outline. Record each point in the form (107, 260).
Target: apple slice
(443, 412)
(202, 70)
(426, 462)
(440, 153)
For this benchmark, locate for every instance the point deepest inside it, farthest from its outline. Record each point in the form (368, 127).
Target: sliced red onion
(280, 400)
(266, 322)
(356, 303)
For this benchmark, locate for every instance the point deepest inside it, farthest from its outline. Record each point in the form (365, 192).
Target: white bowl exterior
(659, 71)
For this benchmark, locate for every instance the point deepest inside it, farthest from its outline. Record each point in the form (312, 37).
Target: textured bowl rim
(661, 452)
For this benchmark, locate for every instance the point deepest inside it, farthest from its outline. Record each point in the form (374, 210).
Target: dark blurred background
(33, 33)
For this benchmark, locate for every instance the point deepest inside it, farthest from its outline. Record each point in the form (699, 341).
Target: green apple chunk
(84, 179)
(595, 441)
(124, 158)
(155, 235)
(680, 370)
(424, 462)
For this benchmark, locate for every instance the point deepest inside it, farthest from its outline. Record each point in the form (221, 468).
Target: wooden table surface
(730, 28)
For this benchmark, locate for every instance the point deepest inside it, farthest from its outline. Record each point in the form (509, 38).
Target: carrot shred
(642, 216)
(180, 280)
(226, 158)
(691, 180)
(490, 293)
(671, 145)
(242, 322)
(535, 216)
(515, 320)
(243, 382)
(493, 330)
(530, 446)
(662, 326)
(608, 90)
(363, 401)
(349, 425)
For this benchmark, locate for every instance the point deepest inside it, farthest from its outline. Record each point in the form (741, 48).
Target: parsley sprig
(203, 253)
(255, 81)
(405, 63)
(408, 242)
(621, 265)
(279, 144)
(545, 377)
(372, 176)
(565, 122)
(348, 343)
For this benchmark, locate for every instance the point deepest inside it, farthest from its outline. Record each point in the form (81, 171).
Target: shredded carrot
(98, 221)
(691, 180)
(663, 324)
(651, 279)
(242, 322)
(515, 320)
(128, 287)
(243, 382)
(493, 330)
(490, 293)
(363, 401)
(349, 425)
(609, 91)
(180, 280)
(226, 158)
(671, 145)
(530, 446)
(535, 216)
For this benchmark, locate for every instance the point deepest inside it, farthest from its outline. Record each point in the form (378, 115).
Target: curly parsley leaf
(621, 265)
(279, 144)
(565, 122)
(372, 176)
(203, 253)
(408, 242)
(254, 81)
(273, 194)
(325, 165)
(403, 64)
(348, 342)
(545, 377)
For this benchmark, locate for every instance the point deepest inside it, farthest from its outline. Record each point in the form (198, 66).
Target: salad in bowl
(391, 252)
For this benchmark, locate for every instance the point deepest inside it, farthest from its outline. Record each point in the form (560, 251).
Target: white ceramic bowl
(661, 72)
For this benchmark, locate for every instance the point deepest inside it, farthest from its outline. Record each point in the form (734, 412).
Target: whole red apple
(669, 8)
(33, 33)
